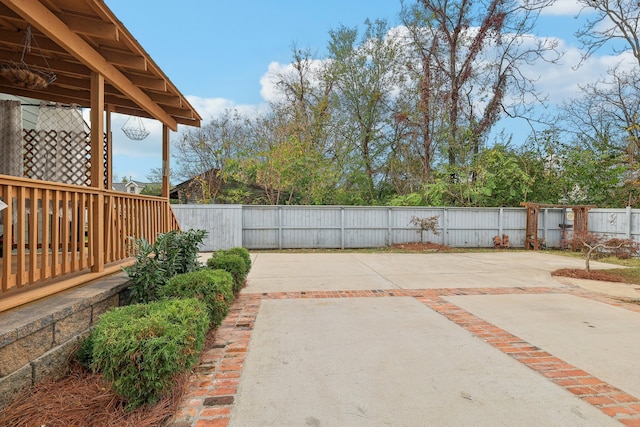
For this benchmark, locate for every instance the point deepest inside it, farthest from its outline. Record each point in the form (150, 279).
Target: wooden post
(97, 170)
(109, 176)
(166, 176)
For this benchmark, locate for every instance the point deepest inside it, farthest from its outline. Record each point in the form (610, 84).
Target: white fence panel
(291, 227)
(223, 224)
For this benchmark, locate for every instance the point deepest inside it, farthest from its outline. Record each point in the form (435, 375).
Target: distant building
(209, 187)
(132, 186)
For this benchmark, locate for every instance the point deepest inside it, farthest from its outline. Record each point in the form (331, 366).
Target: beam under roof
(39, 16)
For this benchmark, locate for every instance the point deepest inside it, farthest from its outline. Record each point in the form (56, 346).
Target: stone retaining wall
(36, 339)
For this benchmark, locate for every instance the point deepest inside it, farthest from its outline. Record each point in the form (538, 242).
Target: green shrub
(213, 287)
(234, 264)
(84, 353)
(172, 253)
(147, 275)
(142, 347)
(244, 253)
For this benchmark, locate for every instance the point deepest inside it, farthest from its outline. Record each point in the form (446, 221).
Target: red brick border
(612, 401)
(213, 386)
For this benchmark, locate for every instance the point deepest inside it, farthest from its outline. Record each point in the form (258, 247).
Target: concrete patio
(472, 339)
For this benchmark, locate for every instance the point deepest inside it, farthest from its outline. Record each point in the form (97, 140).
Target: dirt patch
(577, 273)
(422, 247)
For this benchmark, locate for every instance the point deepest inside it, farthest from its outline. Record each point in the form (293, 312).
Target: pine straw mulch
(577, 273)
(82, 398)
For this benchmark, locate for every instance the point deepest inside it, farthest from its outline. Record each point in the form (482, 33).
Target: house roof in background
(72, 38)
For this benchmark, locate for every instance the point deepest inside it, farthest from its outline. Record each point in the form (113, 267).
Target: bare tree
(211, 152)
(470, 66)
(615, 20)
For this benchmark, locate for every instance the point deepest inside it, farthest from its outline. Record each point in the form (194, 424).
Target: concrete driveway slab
(472, 339)
(286, 272)
(593, 336)
(388, 362)
(318, 272)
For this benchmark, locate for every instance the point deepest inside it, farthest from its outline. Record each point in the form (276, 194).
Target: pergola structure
(99, 65)
(580, 221)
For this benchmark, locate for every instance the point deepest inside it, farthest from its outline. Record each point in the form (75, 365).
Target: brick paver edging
(213, 386)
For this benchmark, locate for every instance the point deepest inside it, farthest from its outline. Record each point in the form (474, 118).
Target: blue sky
(217, 53)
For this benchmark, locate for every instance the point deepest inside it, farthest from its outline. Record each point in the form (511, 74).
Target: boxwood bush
(213, 287)
(142, 347)
(244, 253)
(232, 263)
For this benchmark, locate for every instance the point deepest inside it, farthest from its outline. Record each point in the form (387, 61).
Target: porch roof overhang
(75, 38)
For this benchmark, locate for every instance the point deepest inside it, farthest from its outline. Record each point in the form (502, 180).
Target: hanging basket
(21, 75)
(134, 129)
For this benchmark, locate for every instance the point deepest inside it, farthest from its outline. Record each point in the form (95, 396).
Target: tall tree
(361, 70)
(469, 64)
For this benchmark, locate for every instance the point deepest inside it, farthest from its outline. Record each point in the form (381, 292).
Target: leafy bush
(244, 253)
(179, 250)
(147, 275)
(232, 263)
(142, 347)
(172, 253)
(213, 287)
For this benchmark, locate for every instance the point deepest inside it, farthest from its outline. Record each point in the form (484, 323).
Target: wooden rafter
(75, 38)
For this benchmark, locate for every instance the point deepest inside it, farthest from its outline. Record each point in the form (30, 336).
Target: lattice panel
(59, 156)
(40, 153)
(74, 156)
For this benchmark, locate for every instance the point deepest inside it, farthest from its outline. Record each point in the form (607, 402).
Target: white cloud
(561, 81)
(563, 8)
(269, 81)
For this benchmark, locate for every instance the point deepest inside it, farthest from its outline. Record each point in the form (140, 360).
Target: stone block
(72, 325)
(13, 384)
(19, 353)
(104, 306)
(54, 363)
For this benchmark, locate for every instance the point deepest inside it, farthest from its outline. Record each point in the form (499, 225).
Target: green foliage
(213, 287)
(501, 179)
(232, 263)
(84, 354)
(172, 253)
(142, 347)
(152, 190)
(411, 199)
(244, 253)
(148, 273)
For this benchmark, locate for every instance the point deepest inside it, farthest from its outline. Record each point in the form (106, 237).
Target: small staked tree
(425, 224)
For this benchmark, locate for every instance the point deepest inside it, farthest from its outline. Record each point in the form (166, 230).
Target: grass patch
(626, 275)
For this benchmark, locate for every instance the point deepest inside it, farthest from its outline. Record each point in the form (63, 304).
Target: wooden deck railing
(48, 232)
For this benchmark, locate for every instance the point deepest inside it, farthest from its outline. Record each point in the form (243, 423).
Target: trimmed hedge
(213, 287)
(142, 347)
(244, 253)
(232, 263)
